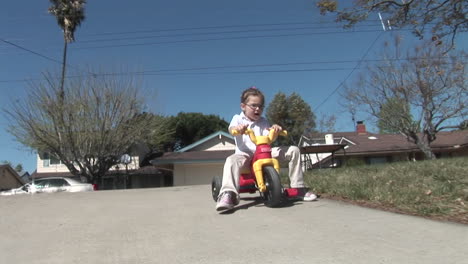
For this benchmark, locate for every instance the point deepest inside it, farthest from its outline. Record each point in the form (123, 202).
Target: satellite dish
(125, 159)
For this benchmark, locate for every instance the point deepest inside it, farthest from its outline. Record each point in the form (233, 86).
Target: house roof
(14, 174)
(321, 148)
(393, 143)
(346, 143)
(145, 170)
(205, 139)
(36, 175)
(193, 157)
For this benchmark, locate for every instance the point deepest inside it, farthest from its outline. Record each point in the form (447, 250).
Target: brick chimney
(361, 128)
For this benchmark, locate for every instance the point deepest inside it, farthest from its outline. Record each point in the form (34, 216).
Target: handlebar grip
(234, 132)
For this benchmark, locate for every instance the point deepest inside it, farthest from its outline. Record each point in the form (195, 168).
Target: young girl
(252, 104)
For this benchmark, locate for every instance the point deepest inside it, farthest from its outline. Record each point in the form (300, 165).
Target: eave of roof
(205, 139)
(393, 143)
(322, 148)
(213, 156)
(145, 170)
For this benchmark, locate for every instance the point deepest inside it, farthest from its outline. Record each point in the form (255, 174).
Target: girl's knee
(295, 150)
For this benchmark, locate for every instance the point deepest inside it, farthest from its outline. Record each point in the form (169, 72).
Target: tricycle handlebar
(261, 139)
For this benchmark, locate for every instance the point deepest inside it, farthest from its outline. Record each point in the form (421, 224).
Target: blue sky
(196, 56)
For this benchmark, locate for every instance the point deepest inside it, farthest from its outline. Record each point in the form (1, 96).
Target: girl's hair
(252, 91)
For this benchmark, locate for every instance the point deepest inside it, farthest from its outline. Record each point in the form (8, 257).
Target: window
(48, 159)
(54, 160)
(58, 183)
(39, 184)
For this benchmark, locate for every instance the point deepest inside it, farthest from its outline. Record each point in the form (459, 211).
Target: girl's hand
(277, 128)
(240, 128)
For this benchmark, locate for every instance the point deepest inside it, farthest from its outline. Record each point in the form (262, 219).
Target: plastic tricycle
(263, 175)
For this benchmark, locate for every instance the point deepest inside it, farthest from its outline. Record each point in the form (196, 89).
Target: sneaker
(226, 201)
(299, 194)
(308, 197)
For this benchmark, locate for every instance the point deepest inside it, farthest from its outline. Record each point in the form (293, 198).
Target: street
(180, 225)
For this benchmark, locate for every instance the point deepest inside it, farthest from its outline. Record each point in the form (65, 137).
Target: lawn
(434, 189)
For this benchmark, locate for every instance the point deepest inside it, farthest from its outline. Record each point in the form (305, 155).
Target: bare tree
(102, 121)
(432, 84)
(326, 123)
(445, 18)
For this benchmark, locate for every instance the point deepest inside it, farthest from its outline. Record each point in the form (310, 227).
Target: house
(363, 147)
(199, 162)
(9, 178)
(25, 176)
(129, 174)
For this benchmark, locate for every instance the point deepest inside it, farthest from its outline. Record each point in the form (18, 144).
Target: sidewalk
(180, 225)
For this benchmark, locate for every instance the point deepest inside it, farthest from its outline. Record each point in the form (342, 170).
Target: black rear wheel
(215, 187)
(273, 194)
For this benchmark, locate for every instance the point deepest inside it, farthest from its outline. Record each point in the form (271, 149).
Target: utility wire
(207, 39)
(166, 73)
(206, 33)
(40, 55)
(224, 38)
(220, 27)
(196, 70)
(30, 51)
(349, 75)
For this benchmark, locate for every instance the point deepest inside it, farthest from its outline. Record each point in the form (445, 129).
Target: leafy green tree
(191, 127)
(102, 121)
(69, 15)
(19, 168)
(394, 113)
(445, 18)
(293, 114)
(157, 133)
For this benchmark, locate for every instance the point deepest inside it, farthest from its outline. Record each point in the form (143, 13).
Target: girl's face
(253, 107)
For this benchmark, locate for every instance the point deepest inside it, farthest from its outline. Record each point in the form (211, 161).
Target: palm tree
(69, 14)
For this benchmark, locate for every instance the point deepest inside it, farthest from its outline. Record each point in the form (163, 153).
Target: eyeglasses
(255, 106)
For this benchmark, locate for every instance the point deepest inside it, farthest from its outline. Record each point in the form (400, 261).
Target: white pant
(237, 162)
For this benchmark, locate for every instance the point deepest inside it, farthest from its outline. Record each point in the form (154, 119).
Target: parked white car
(50, 185)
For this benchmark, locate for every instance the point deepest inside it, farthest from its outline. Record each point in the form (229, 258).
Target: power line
(165, 73)
(30, 51)
(40, 55)
(221, 39)
(218, 27)
(208, 33)
(205, 33)
(352, 71)
(196, 70)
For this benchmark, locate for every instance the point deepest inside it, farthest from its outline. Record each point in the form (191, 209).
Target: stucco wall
(222, 143)
(196, 174)
(62, 168)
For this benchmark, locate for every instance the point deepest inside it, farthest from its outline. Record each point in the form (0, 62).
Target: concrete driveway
(180, 225)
